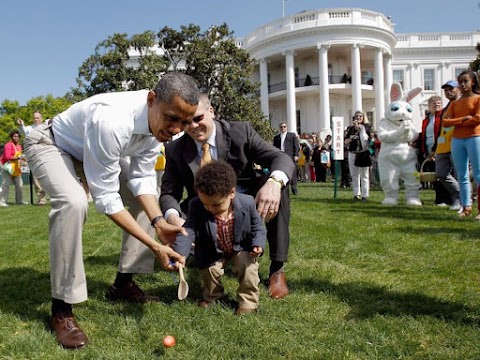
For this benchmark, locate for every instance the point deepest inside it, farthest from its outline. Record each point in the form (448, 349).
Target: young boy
(225, 226)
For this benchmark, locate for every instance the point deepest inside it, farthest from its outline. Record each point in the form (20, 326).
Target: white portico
(331, 62)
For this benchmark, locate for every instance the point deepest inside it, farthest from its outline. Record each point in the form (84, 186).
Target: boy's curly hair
(215, 178)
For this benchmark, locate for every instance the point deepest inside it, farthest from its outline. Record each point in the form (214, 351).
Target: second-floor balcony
(314, 81)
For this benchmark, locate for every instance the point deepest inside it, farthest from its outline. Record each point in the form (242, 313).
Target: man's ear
(151, 98)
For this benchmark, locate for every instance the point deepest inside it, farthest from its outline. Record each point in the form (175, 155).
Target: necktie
(206, 157)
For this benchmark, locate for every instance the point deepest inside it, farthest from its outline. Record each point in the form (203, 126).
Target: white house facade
(331, 62)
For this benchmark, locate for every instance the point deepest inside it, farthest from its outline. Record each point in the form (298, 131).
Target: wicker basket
(426, 176)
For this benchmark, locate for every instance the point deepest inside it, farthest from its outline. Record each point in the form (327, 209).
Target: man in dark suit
(240, 145)
(288, 143)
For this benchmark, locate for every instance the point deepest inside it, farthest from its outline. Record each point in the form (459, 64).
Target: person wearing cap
(430, 130)
(443, 142)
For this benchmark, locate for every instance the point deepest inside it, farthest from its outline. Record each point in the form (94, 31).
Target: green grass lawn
(366, 281)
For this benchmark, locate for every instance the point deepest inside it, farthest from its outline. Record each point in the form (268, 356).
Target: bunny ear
(396, 92)
(412, 93)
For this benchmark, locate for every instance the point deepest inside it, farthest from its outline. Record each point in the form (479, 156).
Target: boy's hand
(174, 265)
(256, 251)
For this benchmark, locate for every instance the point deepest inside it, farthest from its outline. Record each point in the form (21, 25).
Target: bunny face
(399, 111)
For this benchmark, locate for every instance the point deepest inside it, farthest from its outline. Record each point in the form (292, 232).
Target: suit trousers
(278, 232)
(245, 268)
(59, 174)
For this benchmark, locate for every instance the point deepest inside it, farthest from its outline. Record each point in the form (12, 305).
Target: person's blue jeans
(463, 151)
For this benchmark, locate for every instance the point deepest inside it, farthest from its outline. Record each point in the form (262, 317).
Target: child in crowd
(464, 115)
(225, 226)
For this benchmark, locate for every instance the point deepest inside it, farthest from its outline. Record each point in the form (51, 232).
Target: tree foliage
(222, 69)
(110, 68)
(475, 64)
(48, 105)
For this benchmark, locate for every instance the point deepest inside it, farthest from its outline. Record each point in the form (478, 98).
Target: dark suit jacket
(238, 144)
(201, 227)
(291, 145)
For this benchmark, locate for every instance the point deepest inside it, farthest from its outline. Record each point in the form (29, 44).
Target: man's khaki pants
(59, 174)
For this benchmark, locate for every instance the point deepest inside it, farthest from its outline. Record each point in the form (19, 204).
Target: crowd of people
(220, 186)
(447, 145)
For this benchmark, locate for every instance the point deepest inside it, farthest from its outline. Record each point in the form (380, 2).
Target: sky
(43, 43)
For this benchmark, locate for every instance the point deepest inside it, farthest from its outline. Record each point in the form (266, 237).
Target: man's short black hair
(177, 84)
(215, 178)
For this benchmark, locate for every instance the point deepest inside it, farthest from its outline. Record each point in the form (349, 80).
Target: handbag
(362, 158)
(8, 168)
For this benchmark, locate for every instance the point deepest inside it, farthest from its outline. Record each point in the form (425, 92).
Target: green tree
(475, 64)
(48, 105)
(111, 69)
(222, 69)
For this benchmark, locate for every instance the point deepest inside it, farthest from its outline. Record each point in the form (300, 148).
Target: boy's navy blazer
(249, 231)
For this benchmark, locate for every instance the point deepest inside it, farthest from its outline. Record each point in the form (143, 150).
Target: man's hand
(166, 254)
(268, 200)
(167, 233)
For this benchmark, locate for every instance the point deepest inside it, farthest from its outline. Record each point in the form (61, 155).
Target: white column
(379, 87)
(291, 104)
(416, 78)
(356, 79)
(264, 87)
(324, 120)
(388, 78)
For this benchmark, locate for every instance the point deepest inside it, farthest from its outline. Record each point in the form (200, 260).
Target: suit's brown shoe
(129, 292)
(277, 286)
(67, 331)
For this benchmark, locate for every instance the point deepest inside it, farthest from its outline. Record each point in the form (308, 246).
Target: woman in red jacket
(12, 152)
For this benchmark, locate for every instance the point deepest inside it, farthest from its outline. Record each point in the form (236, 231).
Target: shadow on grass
(366, 301)
(25, 291)
(447, 231)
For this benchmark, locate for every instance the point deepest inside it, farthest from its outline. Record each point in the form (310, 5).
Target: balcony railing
(318, 19)
(437, 40)
(313, 81)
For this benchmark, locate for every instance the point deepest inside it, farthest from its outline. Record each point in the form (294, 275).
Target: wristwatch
(277, 180)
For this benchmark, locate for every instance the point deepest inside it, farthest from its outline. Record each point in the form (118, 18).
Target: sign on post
(337, 137)
(337, 146)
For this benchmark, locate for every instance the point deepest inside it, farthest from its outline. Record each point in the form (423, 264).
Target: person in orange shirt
(464, 115)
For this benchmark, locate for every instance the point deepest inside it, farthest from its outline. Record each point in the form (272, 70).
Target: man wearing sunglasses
(240, 145)
(288, 143)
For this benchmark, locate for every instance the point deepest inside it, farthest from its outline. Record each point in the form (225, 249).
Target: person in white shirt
(25, 130)
(111, 140)
(37, 121)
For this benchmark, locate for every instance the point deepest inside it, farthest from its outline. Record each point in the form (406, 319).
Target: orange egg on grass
(169, 341)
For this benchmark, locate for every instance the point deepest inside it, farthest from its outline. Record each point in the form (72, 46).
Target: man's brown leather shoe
(129, 292)
(67, 331)
(277, 286)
